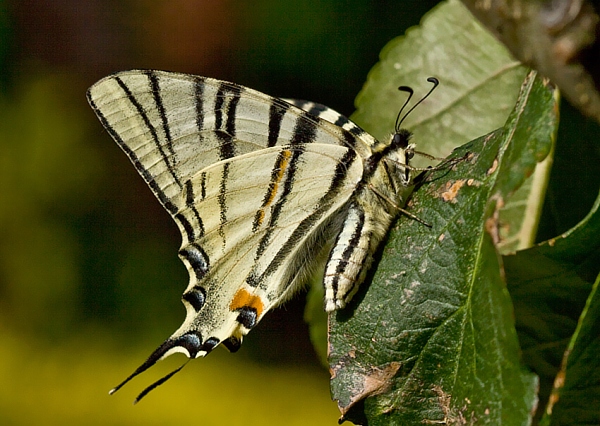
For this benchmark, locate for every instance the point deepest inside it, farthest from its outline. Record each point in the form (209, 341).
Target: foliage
(433, 338)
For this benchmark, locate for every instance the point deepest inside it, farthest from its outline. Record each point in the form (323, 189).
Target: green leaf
(479, 82)
(520, 216)
(539, 131)
(550, 285)
(576, 393)
(479, 86)
(433, 338)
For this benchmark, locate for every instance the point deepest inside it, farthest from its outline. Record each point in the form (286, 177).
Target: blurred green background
(90, 282)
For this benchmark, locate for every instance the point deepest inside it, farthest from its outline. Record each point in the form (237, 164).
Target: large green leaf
(433, 338)
(550, 285)
(479, 86)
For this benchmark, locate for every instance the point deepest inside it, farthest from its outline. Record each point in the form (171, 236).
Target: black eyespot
(247, 316)
(197, 259)
(195, 297)
(191, 341)
(210, 344)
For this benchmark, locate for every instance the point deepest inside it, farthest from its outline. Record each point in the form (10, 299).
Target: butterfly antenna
(410, 92)
(399, 120)
(158, 383)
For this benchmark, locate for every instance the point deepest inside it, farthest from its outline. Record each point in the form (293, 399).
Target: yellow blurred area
(68, 385)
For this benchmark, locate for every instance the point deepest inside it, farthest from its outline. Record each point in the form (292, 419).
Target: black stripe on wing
(288, 184)
(227, 99)
(332, 116)
(203, 185)
(156, 92)
(189, 196)
(199, 103)
(277, 173)
(148, 177)
(304, 133)
(305, 130)
(144, 115)
(277, 111)
(307, 225)
(222, 199)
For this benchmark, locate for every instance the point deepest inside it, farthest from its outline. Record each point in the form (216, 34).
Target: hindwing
(265, 213)
(174, 125)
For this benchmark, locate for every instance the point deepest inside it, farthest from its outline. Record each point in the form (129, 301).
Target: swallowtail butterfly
(261, 189)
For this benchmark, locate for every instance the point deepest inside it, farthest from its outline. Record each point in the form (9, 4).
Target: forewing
(174, 125)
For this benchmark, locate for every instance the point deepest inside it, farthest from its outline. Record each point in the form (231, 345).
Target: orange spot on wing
(243, 299)
(283, 164)
(260, 216)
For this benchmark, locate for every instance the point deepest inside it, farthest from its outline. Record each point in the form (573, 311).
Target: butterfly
(265, 192)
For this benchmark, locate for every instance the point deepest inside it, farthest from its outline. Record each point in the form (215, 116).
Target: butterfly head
(399, 154)
(400, 151)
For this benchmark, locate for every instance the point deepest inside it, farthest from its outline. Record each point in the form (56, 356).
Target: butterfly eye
(400, 139)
